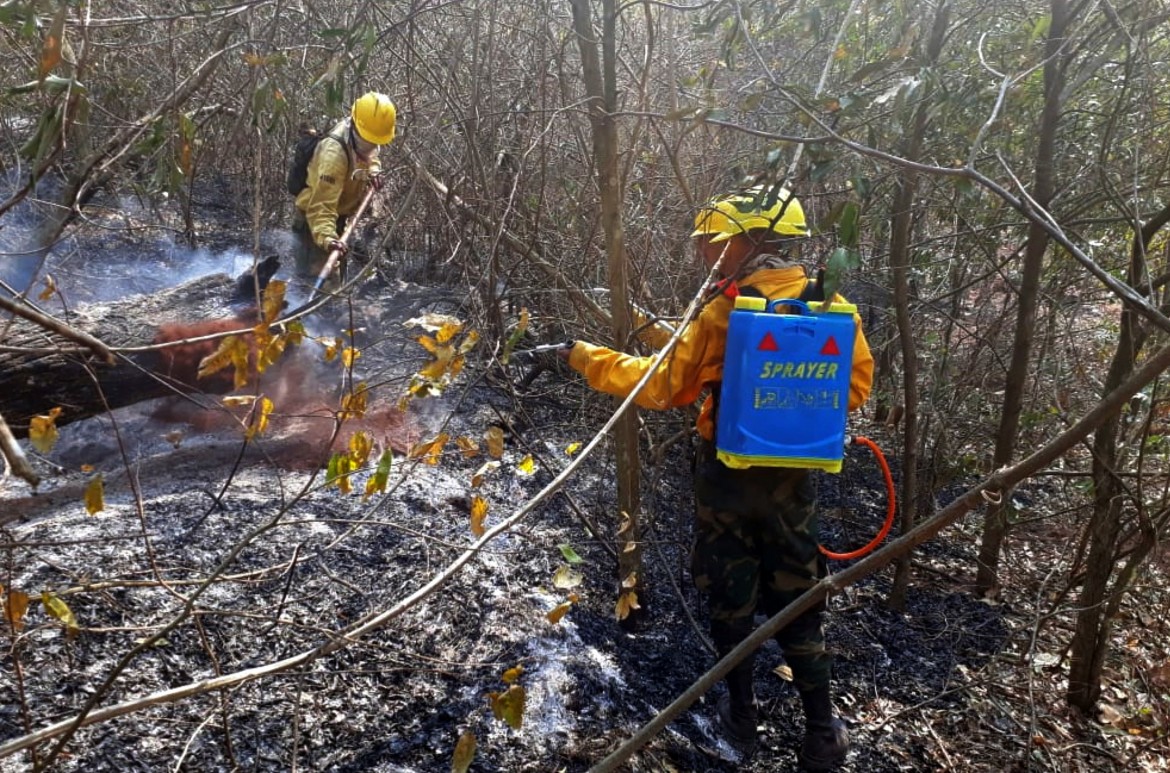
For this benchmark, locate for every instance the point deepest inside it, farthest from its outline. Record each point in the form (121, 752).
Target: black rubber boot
(826, 741)
(737, 708)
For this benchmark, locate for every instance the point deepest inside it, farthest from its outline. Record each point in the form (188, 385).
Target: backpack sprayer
(785, 392)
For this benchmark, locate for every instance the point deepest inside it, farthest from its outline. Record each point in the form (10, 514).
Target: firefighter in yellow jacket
(344, 163)
(756, 528)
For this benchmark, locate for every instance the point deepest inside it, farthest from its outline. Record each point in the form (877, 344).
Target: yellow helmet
(736, 213)
(374, 117)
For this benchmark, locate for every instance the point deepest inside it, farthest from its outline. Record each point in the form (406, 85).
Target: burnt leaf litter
(946, 683)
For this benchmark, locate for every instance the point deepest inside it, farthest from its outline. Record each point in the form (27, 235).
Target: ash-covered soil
(254, 559)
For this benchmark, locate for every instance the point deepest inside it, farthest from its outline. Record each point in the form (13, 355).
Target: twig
(14, 457)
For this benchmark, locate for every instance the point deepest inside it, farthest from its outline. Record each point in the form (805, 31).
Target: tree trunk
(41, 370)
(601, 85)
(900, 258)
(1090, 642)
(995, 521)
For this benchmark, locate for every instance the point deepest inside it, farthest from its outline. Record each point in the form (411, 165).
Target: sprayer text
(817, 370)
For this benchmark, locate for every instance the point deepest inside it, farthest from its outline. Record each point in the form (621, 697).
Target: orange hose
(891, 505)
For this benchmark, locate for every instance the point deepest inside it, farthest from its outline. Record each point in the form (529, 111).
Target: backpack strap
(344, 146)
(814, 289)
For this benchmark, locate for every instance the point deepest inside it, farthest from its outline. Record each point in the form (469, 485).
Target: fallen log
(41, 369)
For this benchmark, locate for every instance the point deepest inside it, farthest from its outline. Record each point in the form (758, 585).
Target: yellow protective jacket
(331, 188)
(696, 363)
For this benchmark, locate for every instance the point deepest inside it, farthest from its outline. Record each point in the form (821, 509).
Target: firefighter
(756, 546)
(343, 164)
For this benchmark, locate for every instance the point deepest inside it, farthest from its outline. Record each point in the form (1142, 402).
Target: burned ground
(952, 682)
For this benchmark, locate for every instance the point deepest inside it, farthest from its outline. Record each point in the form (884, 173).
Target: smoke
(110, 256)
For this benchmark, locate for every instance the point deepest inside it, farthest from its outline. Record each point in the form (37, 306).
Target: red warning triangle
(768, 343)
(830, 347)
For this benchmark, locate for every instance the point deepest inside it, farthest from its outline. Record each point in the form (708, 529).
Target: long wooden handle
(331, 261)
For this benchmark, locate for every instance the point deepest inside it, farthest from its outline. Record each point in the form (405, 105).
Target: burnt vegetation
(246, 527)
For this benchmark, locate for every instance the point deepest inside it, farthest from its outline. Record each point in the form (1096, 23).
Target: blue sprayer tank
(785, 386)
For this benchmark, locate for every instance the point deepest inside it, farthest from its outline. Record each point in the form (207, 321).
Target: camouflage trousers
(756, 551)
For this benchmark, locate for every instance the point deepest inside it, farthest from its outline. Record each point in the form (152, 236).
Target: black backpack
(298, 170)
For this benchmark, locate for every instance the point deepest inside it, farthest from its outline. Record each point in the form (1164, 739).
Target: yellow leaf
(435, 369)
(51, 49)
(349, 355)
(448, 331)
(42, 431)
(271, 351)
(233, 351)
(626, 603)
(431, 449)
(572, 449)
(50, 288)
(481, 473)
(353, 404)
(428, 343)
(464, 753)
(479, 508)
(59, 610)
(573, 597)
(783, 671)
(361, 445)
(494, 437)
(15, 608)
(237, 401)
(631, 580)
(527, 466)
(513, 674)
(626, 523)
(630, 547)
(95, 494)
(565, 577)
(561, 610)
(87, 468)
(509, 706)
(468, 446)
(260, 416)
(332, 348)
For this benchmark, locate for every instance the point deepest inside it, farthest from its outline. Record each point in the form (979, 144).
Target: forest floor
(952, 682)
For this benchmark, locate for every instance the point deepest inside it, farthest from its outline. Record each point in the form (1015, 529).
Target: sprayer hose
(891, 505)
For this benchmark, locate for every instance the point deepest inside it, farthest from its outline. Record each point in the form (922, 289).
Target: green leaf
(570, 554)
(1041, 27)
(840, 262)
(849, 230)
(821, 170)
